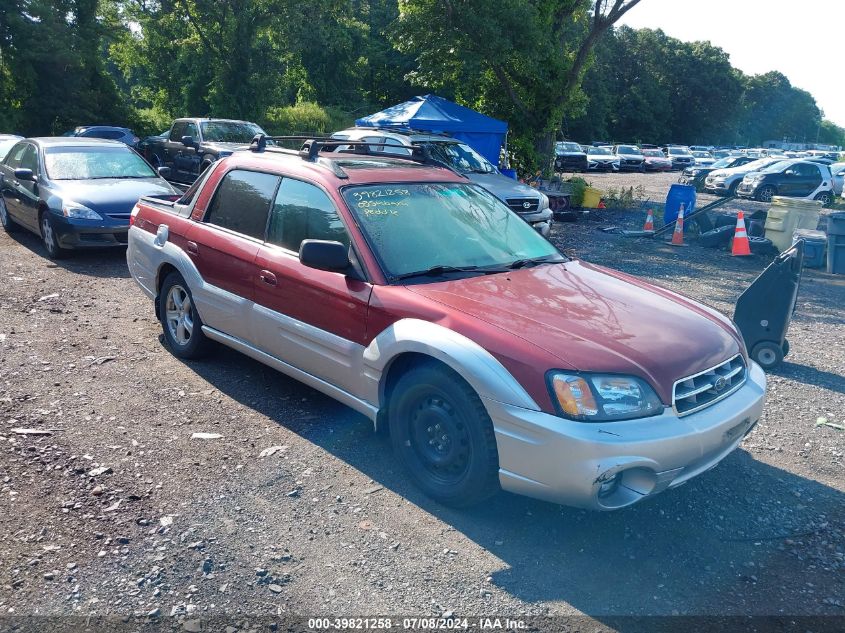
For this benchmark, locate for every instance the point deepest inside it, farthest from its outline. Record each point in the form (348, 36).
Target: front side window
(302, 211)
(242, 202)
(13, 160)
(416, 226)
(29, 160)
(96, 162)
(178, 131)
(191, 130)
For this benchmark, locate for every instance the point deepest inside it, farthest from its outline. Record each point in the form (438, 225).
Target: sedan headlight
(79, 211)
(602, 397)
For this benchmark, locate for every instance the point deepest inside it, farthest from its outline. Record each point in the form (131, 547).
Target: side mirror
(164, 172)
(789, 172)
(188, 141)
(324, 255)
(24, 174)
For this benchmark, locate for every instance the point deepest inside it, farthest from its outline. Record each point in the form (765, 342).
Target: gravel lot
(120, 512)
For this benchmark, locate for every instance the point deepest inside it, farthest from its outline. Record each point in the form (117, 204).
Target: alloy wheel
(48, 235)
(178, 315)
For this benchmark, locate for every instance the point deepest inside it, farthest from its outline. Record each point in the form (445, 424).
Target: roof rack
(312, 146)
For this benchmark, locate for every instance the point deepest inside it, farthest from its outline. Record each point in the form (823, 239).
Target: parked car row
(570, 156)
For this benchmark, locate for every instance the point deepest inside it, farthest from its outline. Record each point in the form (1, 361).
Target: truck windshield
(415, 228)
(87, 163)
(628, 149)
(567, 147)
(229, 131)
(462, 157)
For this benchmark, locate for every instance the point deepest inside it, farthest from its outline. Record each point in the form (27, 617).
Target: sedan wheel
(50, 239)
(766, 194)
(5, 221)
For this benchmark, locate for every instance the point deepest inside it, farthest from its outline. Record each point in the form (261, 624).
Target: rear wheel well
(163, 272)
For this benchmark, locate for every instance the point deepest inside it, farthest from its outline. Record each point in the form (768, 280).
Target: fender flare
(484, 373)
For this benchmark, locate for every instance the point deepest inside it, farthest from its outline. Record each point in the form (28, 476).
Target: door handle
(192, 248)
(267, 277)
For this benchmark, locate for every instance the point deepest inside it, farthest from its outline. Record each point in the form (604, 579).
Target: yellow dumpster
(788, 214)
(592, 197)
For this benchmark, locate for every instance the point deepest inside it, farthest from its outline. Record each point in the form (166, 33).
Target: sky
(802, 40)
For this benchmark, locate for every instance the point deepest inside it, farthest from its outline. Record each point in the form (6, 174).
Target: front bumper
(717, 186)
(570, 163)
(80, 234)
(746, 190)
(547, 457)
(631, 165)
(602, 166)
(541, 220)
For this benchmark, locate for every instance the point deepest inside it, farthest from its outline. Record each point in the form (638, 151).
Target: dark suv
(570, 157)
(790, 178)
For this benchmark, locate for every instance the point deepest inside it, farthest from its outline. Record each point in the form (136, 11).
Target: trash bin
(814, 245)
(592, 197)
(764, 310)
(836, 243)
(679, 194)
(787, 214)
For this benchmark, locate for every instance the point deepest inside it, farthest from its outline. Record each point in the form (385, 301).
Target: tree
(520, 59)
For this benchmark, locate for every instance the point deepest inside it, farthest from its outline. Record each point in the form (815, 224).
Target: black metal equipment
(764, 310)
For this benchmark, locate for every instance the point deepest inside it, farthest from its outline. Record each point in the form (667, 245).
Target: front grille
(632, 161)
(708, 387)
(523, 205)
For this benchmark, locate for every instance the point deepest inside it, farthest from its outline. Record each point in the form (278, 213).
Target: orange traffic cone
(649, 221)
(678, 235)
(741, 245)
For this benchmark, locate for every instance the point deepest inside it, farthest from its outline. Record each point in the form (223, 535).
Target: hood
(111, 196)
(594, 319)
(503, 187)
(219, 146)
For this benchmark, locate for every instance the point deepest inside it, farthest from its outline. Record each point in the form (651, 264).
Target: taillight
(132, 215)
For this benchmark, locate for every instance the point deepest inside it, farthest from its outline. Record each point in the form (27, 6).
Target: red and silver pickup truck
(413, 296)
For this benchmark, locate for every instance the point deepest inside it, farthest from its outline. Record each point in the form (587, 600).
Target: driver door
(312, 319)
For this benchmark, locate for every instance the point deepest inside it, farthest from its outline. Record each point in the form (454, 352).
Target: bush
(306, 117)
(578, 186)
(149, 121)
(629, 198)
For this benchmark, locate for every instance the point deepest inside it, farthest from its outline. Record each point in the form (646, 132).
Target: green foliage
(630, 198)
(577, 186)
(305, 117)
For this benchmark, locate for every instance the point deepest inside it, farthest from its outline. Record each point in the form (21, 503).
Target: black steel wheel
(767, 354)
(443, 436)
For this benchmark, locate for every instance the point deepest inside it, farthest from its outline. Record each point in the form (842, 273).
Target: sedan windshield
(653, 153)
(86, 163)
(462, 157)
(599, 151)
(679, 151)
(724, 162)
(628, 149)
(229, 131)
(435, 229)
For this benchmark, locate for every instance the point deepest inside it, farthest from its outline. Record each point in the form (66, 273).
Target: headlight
(602, 397)
(695, 172)
(544, 202)
(79, 211)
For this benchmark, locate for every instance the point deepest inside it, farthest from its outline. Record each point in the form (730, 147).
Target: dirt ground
(119, 512)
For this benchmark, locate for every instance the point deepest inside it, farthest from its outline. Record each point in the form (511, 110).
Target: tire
(8, 224)
(443, 436)
(49, 238)
(767, 354)
(826, 198)
(732, 188)
(181, 324)
(766, 193)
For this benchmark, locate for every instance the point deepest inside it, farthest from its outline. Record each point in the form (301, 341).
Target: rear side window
(302, 211)
(242, 202)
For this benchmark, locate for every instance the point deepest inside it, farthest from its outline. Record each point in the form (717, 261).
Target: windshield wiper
(435, 271)
(534, 261)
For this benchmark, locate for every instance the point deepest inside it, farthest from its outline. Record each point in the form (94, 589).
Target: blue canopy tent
(431, 113)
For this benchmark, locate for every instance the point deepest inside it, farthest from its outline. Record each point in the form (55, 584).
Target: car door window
(178, 131)
(303, 211)
(242, 202)
(13, 160)
(190, 130)
(29, 159)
